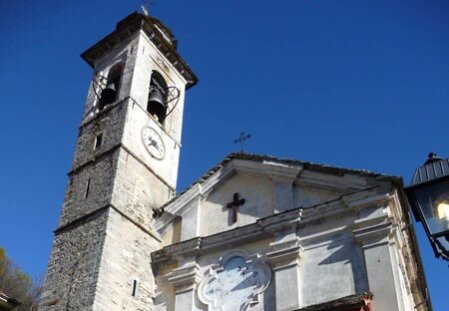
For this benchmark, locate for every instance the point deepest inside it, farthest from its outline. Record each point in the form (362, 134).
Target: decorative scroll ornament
(235, 282)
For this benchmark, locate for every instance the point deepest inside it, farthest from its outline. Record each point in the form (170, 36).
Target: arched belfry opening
(113, 79)
(157, 97)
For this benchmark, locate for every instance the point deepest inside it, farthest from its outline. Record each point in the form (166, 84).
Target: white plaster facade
(325, 233)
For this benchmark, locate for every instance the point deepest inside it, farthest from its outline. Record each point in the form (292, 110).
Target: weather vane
(145, 6)
(243, 136)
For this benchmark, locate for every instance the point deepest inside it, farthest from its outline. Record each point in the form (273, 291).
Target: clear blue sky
(360, 84)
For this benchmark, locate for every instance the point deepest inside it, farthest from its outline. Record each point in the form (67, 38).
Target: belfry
(125, 167)
(254, 233)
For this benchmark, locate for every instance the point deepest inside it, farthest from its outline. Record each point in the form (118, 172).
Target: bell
(156, 105)
(108, 95)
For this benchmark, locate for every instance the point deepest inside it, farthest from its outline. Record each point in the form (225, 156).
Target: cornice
(184, 278)
(272, 169)
(284, 255)
(133, 23)
(363, 229)
(329, 182)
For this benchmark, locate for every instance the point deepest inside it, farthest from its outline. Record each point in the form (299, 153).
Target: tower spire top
(145, 6)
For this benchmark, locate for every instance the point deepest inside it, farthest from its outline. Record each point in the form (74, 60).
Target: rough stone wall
(73, 269)
(126, 258)
(101, 175)
(137, 191)
(110, 123)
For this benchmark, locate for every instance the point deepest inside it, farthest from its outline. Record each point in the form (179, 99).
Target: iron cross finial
(145, 6)
(243, 136)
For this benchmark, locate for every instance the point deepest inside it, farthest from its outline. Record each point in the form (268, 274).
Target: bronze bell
(108, 95)
(156, 105)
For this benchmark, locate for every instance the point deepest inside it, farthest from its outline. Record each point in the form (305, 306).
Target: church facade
(254, 233)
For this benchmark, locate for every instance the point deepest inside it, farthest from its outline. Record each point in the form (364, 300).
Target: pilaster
(374, 238)
(184, 281)
(283, 257)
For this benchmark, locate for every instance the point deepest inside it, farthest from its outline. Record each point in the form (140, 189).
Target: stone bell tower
(125, 166)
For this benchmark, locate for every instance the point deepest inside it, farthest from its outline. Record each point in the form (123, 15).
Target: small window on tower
(98, 141)
(157, 97)
(87, 189)
(134, 288)
(113, 80)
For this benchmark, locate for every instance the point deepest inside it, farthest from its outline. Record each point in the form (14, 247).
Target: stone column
(373, 236)
(283, 257)
(184, 280)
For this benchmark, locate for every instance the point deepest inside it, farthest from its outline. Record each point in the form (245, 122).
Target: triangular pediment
(260, 187)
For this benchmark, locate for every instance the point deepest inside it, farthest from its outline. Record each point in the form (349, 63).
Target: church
(254, 233)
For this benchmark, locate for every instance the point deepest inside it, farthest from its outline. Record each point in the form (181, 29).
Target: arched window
(157, 97)
(113, 80)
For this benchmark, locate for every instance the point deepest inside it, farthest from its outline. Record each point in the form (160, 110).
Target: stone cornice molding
(358, 201)
(263, 228)
(339, 183)
(326, 237)
(133, 23)
(274, 224)
(278, 172)
(372, 232)
(185, 278)
(275, 170)
(284, 255)
(349, 202)
(149, 39)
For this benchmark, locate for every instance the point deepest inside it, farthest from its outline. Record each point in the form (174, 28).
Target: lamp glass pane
(433, 200)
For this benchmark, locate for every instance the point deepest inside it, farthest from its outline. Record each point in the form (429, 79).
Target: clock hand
(155, 144)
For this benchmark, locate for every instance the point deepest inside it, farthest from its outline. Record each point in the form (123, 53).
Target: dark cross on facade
(236, 202)
(243, 136)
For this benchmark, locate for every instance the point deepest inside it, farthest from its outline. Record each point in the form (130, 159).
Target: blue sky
(359, 84)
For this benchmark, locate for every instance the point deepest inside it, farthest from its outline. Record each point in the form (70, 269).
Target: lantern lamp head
(428, 195)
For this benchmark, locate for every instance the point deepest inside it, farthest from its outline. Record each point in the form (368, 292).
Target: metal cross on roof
(243, 136)
(145, 6)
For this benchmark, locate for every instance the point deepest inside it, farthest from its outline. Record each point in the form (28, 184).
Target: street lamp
(428, 195)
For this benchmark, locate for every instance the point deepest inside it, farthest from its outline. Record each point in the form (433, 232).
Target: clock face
(153, 143)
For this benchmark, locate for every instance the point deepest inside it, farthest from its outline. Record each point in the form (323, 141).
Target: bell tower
(125, 166)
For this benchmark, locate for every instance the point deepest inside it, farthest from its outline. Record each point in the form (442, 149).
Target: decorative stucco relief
(235, 282)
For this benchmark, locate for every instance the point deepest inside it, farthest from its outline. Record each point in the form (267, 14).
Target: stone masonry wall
(101, 176)
(92, 177)
(110, 123)
(74, 265)
(137, 191)
(104, 239)
(126, 259)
